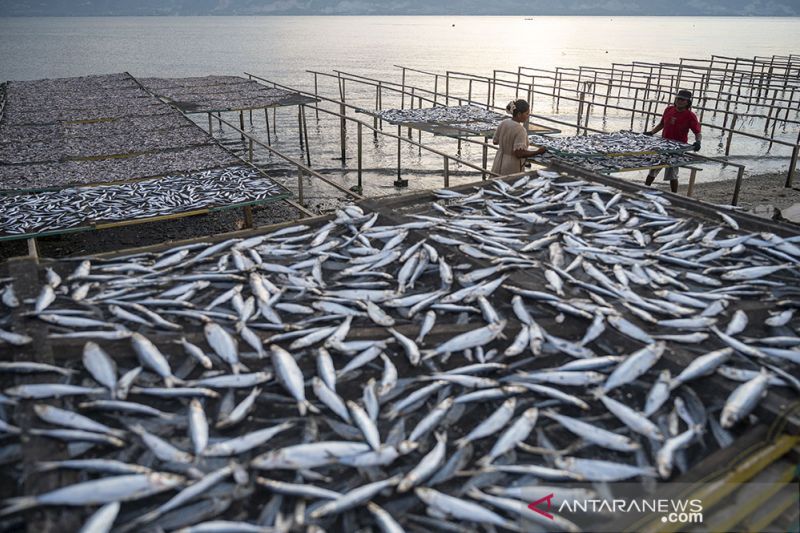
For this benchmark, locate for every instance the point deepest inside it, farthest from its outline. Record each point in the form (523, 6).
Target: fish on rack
(398, 383)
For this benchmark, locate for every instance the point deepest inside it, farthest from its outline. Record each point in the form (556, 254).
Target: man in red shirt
(678, 119)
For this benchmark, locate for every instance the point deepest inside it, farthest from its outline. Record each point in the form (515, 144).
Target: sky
(525, 8)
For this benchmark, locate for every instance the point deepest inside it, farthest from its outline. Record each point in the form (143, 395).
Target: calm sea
(283, 48)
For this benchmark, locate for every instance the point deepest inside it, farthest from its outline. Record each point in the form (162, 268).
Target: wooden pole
(580, 114)
(530, 92)
(738, 186)
(250, 150)
(360, 156)
(342, 133)
(305, 134)
(210, 125)
(633, 111)
(316, 95)
(266, 120)
(33, 248)
(375, 118)
(248, 216)
(399, 182)
(403, 90)
(343, 109)
(586, 115)
(557, 80)
(300, 128)
(730, 136)
(412, 107)
(493, 88)
(446, 171)
(692, 177)
(792, 167)
(380, 102)
(447, 88)
(435, 89)
(419, 131)
(241, 124)
(300, 185)
(275, 122)
(727, 112)
(485, 158)
(219, 120)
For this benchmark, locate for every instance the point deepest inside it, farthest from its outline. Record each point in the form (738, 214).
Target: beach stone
(764, 210)
(792, 213)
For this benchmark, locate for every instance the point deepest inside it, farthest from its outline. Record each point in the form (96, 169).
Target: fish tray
(102, 206)
(220, 93)
(468, 213)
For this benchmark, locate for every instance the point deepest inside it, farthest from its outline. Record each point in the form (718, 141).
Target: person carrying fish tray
(512, 140)
(676, 122)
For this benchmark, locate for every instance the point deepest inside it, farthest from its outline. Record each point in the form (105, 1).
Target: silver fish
(290, 377)
(98, 492)
(744, 399)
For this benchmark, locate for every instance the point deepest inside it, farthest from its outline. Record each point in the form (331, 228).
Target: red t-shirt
(678, 123)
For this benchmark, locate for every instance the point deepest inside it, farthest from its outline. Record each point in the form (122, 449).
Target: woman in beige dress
(512, 140)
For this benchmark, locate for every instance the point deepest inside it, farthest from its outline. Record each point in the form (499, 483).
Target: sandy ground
(759, 195)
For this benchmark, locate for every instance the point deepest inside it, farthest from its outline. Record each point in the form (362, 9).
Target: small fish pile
(170, 120)
(455, 116)
(220, 93)
(119, 129)
(24, 214)
(435, 372)
(100, 145)
(608, 144)
(609, 165)
(38, 176)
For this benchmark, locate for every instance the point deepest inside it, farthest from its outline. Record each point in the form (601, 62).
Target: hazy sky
(524, 8)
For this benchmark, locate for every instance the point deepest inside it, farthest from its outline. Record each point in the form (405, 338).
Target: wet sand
(759, 194)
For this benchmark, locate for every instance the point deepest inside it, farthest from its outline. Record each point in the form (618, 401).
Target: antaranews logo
(673, 511)
(535, 505)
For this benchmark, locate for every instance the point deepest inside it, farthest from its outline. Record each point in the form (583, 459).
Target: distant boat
(528, 18)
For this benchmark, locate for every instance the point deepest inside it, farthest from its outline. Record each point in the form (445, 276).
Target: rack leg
(33, 248)
(792, 165)
(248, 216)
(738, 186)
(692, 176)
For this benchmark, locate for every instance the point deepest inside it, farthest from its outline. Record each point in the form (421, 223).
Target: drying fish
(423, 365)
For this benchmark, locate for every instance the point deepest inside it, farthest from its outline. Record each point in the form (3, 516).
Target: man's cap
(683, 93)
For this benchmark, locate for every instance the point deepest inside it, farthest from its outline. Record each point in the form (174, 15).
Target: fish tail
(45, 466)
(407, 446)
(171, 381)
(302, 407)
(311, 407)
(15, 505)
(428, 354)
